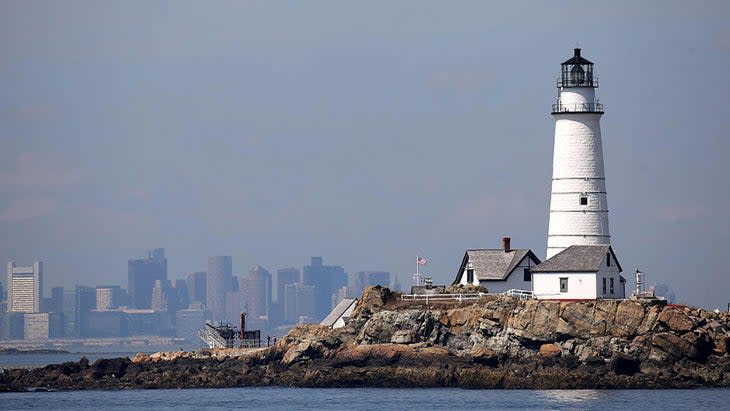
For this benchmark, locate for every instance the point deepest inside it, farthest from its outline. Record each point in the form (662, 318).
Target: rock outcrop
(495, 342)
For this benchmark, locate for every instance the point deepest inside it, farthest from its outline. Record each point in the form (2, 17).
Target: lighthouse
(578, 206)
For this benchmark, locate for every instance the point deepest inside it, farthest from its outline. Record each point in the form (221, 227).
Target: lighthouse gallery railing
(578, 108)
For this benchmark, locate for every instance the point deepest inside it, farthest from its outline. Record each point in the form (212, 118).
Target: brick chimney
(506, 244)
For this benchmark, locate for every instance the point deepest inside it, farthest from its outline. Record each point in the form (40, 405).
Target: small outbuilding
(340, 314)
(580, 272)
(497, 270)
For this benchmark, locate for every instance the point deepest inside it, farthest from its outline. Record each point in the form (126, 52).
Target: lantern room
(577, 72)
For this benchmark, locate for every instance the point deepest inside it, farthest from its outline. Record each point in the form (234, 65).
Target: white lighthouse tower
(578, 207)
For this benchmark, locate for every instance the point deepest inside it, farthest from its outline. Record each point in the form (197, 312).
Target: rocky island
(493, 342)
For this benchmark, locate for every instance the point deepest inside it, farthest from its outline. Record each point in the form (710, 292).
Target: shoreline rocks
(495, 342)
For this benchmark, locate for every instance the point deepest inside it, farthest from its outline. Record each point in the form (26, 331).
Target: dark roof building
(493, 268)
(578, 259)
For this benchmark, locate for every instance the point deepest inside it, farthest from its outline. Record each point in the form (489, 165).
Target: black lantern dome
(577, 72)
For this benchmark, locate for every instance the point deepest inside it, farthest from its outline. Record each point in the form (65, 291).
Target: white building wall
(581, 286)
(609, 272)
(578, 171)
(513, 281)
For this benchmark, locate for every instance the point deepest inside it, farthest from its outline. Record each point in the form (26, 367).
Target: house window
(604, 285)
(563, 284)
(470, 275)
(608, 259)
(526, 275)
(583, 200)
(611, 286)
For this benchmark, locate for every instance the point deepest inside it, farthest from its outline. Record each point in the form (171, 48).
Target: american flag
(421, 261)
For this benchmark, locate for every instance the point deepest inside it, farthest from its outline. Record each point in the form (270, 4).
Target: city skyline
(364, 133)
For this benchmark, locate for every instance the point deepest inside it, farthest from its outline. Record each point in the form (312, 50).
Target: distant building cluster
(152, 304)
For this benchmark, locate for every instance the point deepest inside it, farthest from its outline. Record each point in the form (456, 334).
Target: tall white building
(218, 282)
(25, 287)
(578, 206)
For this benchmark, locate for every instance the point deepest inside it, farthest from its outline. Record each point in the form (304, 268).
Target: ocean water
(284, 398)
(290, 399)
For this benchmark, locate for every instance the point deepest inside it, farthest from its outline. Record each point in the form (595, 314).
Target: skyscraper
(257, 296)
(163, 298)
(285, 276)
(85, 302)
(25, 287)
(298, 303)
(196, 283)
(108, 297)
(142, 274)
(326, 279)
(218, 281)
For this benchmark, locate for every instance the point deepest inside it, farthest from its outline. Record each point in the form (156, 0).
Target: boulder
(114, 367)
(603, 316)
(675, 320)
(549, 350)
(629, 317)
(673, 345)
(485, 356)
(576, 319)
(722, 345)
(374, 298)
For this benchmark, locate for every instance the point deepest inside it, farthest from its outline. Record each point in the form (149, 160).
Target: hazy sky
(364, 132)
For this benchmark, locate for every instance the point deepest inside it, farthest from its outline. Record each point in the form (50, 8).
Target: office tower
(142, 274)
(182, 299)
(56, 303)
(257, 296)
(85, 302)
(69, 313)
(108, 297)
(234, 305)
(163, 298)
(196, 283)
(299, 303)
(218, 281)
(326, 279)
(365, 279)
(285, 276)
(25, 287)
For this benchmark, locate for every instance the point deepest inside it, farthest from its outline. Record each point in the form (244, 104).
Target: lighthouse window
(577, 75)
(563, 284)
(470, 275)
(611, 286)
(583, 200)
(526, 274)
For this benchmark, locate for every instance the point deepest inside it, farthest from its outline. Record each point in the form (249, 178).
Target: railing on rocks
(441, 297)
(521, 294)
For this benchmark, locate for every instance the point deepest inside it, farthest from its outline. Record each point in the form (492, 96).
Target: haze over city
(364, 133)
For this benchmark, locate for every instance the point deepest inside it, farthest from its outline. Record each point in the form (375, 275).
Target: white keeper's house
(497, 270)
(580, 272)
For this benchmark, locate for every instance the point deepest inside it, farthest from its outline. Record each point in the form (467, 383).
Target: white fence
(521, 294)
